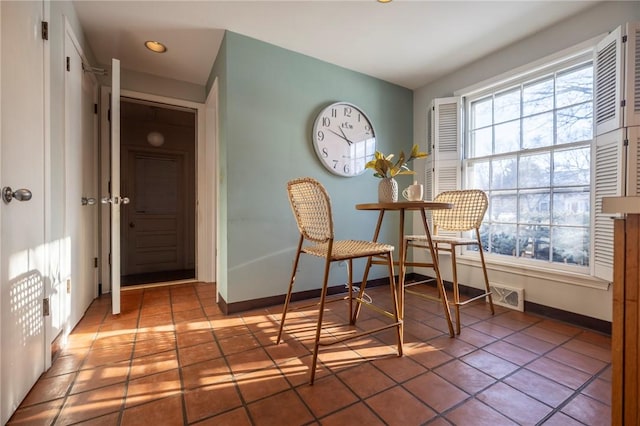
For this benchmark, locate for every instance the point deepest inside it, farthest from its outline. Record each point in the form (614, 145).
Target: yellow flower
(385, 168)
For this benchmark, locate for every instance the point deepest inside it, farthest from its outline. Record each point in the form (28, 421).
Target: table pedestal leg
(365, 277)
(436, 269)
(401, 274)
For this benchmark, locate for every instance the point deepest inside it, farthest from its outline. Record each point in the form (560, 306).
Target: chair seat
(348, 249)
(443, 239)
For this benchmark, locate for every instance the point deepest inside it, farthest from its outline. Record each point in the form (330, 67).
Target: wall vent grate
(509, 297)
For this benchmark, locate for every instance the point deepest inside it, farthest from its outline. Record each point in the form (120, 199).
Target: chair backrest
(469, 207)
(311, 207)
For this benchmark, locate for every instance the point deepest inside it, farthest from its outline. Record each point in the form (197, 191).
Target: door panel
(90, 195)
(153, 234)
(22, 248)
(78, 288)
(156, 239)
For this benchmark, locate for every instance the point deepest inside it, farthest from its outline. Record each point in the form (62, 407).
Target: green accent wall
(268, 100)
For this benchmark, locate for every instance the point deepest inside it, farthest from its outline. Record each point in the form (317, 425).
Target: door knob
(19, 194)
(115, 200)
(88, 201)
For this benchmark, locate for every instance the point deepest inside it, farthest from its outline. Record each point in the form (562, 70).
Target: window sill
(531, 271)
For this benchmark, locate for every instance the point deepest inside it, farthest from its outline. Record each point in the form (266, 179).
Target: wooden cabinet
(626, 314)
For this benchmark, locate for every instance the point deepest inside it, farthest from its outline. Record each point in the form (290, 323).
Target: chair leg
(288, 298)
(403, 271)
(351, 317)
(456, 290)
(402, 275)
(316, 343)
(396, 306)
(486, 276)
(435, 255)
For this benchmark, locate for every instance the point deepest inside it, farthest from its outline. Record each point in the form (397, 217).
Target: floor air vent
(508, 297)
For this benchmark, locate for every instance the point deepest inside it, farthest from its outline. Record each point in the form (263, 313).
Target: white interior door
(79, 289)
(116, 201)
(22, 248)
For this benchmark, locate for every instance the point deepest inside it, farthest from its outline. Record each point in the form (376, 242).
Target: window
(528, 145)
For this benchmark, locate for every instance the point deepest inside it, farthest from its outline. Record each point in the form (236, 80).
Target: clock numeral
(334, 112)
(335, 164)
(347, 111)
(359, 117)
(326, 122)
(367, 128)
(346, 168)
(320, 135)
(325, 152)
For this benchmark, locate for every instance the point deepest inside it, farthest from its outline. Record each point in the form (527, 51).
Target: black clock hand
(341, 136)
(345, 136)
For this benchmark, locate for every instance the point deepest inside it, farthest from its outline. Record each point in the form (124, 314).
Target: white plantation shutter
(608, 179)
(608, 68)
(617, 79)
(632, 75)
(446, 147)
(616, 153)
(428, 178)
(444, 170)
(633, 161)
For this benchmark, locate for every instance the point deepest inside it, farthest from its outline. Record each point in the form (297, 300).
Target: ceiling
(409, 43)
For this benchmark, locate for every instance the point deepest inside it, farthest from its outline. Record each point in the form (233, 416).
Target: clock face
(344, 139)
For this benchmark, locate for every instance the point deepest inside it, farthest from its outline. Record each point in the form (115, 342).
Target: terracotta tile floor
(173, 358)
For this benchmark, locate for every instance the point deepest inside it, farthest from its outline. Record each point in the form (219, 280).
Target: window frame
(566, 60)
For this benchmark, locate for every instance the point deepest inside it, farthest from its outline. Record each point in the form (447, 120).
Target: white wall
(155, 85)
(598, 20)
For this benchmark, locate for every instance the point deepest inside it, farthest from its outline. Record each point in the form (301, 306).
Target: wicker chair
(311, 207)
(466, 215)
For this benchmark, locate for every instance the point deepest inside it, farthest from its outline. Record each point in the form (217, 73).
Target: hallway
(173, 358)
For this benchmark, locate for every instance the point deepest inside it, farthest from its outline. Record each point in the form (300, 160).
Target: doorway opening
(158, 175)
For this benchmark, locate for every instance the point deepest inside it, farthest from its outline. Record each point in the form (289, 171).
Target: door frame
(205, 220)
(210, 156)
(48, 211)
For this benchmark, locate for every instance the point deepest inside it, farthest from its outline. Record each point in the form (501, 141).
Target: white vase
(388, 190)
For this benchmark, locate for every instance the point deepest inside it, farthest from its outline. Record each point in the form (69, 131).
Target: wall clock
(344, 139)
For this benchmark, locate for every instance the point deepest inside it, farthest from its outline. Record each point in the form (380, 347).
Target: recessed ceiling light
(384, 1)
(155, 46)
